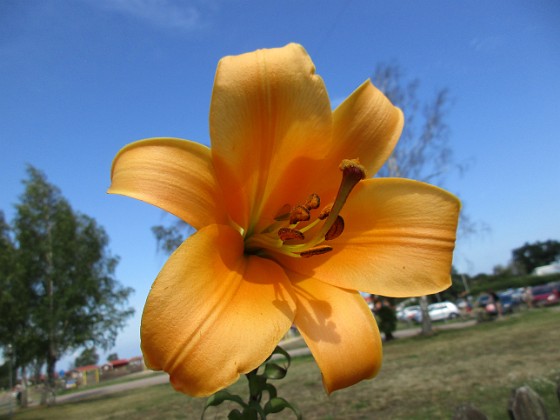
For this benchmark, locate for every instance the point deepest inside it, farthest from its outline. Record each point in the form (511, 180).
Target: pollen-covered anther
(299, 214)
(318, 250)
(313, 202)
(325, 212)
(352, 170)
(336, 229)
(287, 234)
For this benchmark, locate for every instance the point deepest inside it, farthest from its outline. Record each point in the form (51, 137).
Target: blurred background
(79, 80)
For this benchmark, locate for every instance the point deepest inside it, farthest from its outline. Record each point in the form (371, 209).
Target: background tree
(5, 381)
(170, 237)
(15, 300)
(8, 311)
(424, 151)
(500, 270)
(63, 289)
(112, 357)
(7, 275)
(87, 357)
(530, 256)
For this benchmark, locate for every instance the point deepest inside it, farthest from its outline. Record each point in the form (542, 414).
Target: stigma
(297, 232)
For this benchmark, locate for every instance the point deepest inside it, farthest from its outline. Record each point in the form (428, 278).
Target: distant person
(387, 317)
(496, 301)
(528, 297)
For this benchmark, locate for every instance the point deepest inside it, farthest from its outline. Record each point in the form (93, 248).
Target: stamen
(283, 237)
(310, 226)
(352, 173)
(318, 250)
(287, 234)
(325, 212)
(299, 214)
(313, 202)
(352, 170)
(336, 229)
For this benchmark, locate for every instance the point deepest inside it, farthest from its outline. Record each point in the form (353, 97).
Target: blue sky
(80, 79)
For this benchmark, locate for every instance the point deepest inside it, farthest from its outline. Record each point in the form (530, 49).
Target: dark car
(545, 295)
(509, 303)
(486, 308)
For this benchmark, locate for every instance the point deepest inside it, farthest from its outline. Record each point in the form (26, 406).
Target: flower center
(294, 233)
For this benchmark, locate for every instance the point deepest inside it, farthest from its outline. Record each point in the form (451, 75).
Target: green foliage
(88, 357)
(5, 376)
(14, 300)
(7, 249)
(487, 282)
(170, 237)
(258, 385)
(530, 256)
(60, 292)
(112, 357)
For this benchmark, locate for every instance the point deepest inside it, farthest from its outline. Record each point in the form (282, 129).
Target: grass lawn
(421, 378)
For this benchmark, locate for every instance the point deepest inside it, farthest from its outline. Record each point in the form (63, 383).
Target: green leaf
(252, 412)
(271, 389)
(274, 371)
(275, 405)
(235, 414)
(221, 396)
(280, 351)
(257, 383)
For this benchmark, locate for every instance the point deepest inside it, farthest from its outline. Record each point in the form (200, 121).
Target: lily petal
(270, 127)
(398, 240)
(173, 174)
(367, 126)
(340, 331)
(213, 313)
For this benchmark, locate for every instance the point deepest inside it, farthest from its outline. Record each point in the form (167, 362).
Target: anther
(352, 169)
(352, 173)
(318, 250)
(287, 234)
(299, 214)
(282, 235)
(313, 202)
(325, 212)
(336, 229)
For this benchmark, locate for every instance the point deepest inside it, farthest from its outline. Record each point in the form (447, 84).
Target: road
(141, 382)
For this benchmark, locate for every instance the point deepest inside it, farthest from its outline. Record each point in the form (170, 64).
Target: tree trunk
(24, 394)
(51, 364)
(48, 395)
(426, 321)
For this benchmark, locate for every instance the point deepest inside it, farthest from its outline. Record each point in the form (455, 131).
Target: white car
(440, 311)
(407, 314)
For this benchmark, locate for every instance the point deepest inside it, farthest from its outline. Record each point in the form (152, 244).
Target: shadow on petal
(315, 313)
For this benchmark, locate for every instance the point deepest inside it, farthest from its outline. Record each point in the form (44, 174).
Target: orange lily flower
(287, 232)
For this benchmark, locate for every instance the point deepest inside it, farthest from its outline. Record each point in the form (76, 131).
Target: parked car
(545, 295)
(509, 303)
(440, 311)
(486, 309)
(407, 314)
